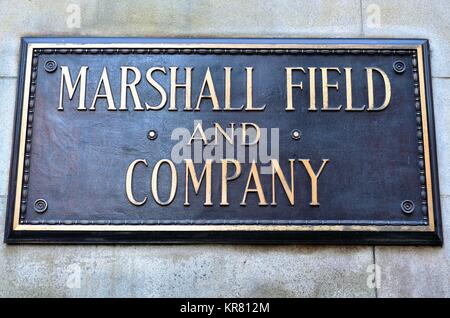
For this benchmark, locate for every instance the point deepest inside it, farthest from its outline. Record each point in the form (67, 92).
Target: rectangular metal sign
(224, 140)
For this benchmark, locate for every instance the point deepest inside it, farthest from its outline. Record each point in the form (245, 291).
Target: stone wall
(226, 270)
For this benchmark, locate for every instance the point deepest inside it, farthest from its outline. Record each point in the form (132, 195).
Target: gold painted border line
(23, 130)
(425, 137)
(219, 228)
(133, 228)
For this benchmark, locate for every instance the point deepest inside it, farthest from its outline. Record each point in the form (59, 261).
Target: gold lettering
(104, 80)
(370, 88)
(276, 170)
(158, 87)
(250, 106)
(348, 86)
(198, 128)
(244, 134)
(174, 85)
(124, 86)
(258, 187)
(228, 90)
(312, 88)
(173, 185)
(326, 86)
(218, 129)
(290, 85)
(208, 81)
(226, 178)
(314, 177)
(190, 171)
(129, 182)
(67, 80)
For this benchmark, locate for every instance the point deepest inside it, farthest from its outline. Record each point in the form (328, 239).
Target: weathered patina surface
(344, 131)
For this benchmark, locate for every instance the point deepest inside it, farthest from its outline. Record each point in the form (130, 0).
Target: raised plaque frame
(59, 232)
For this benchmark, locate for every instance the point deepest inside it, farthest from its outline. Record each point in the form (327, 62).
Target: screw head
(40, 205)
(296, 134)
(399, 66)
(152, 134)
(50, 66)
(407, 206)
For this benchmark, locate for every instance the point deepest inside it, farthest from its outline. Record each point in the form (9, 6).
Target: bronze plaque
(122, 140)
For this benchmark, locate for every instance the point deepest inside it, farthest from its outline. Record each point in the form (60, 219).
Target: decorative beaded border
(423, 192)
(219, 51)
